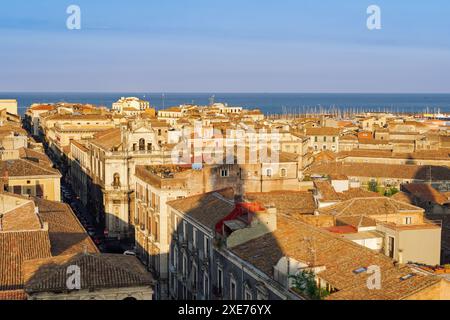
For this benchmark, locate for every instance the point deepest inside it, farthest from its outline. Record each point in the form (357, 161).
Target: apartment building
(32, 117)
(248, 251)
(31, 178)
(156, 185)
(323, 138)
(10, 105)
(397, 229)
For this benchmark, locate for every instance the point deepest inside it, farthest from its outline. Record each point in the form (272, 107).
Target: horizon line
(223, 92)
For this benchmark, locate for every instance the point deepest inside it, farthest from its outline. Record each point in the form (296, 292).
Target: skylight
(408, 276)
(360, 270)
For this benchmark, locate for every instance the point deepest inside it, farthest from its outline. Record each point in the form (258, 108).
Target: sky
(225, 46)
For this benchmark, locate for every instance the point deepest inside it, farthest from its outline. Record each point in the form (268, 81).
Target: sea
(268, 103)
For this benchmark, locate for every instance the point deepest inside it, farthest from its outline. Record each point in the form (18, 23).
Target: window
(194, 238)
(206, 246)
(316, 139)
(324, 139)
(269, 173)
(219, 280)
(175, 222)
(156, 230)
(184, 292)
(261, 295)
(283, 172)
(391, 246)
(175, 257)
(224, 173)
(194, 277)
(205, 285)
(17, 189)
(248, 294)
(141, 144)
(232, 289)
(408, 220)
(185, 230)
(184, 266)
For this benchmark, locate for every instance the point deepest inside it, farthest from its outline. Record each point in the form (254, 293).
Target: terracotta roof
(340, 257)
(79, 117)
(326, 191)
(357, 193)
(326, 155)
(382, 170)
(403, 197)
(108, 139)
(14, 129)
(67, 235)
(207, 208)
(287, 202)
(79, 145)
(357, 222)
(440, 154)
(368, 206)
(24, 168)
(36, 156)
(13, 295)
(16, 247)
(425, 192)
(55, 230)
(23, 217)
(97, 271)
(324, 131)
(43, 107)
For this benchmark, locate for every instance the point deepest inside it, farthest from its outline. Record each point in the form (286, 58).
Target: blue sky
(225, 46)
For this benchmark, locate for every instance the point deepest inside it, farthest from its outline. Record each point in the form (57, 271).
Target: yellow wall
(51, 186)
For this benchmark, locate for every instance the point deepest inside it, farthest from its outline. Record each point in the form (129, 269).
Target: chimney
(400, 256)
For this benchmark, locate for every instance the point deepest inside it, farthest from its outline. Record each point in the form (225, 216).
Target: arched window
(130, 299)
(142, 145)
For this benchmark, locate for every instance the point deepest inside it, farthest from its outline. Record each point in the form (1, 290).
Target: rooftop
(291, 203)
(98, 271)
(382, 170)
(208, 208)
(339, 256)
(368, 207)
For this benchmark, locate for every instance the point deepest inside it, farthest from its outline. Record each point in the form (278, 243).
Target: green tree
(305, 284)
